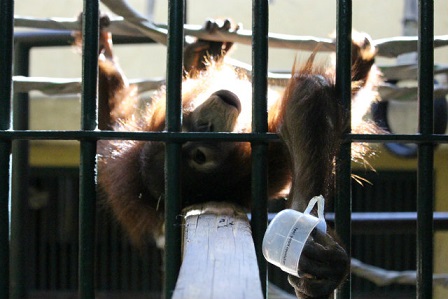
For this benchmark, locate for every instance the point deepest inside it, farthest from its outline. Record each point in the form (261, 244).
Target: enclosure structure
(88, 136)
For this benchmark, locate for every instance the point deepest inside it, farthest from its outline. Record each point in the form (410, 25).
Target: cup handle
(320, 200)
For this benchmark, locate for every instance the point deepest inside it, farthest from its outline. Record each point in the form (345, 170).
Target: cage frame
(88, 137)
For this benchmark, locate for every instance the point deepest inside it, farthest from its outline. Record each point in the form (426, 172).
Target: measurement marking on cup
(287, 245)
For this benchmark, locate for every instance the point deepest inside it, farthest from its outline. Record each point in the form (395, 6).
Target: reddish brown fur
(311, 125)
(309, 105)
(306, 116)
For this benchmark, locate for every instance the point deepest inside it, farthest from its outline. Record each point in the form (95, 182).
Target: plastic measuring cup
(287, 233)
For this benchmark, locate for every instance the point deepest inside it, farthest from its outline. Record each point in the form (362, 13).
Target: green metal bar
(173, 240)
(87, 185)
(20, 178)
(5, 150)
(6, 50)
(202, 136)
(153, 136)
(425, 177)
(90, 35)
(398, 138)
(343, 202)
(260, 27)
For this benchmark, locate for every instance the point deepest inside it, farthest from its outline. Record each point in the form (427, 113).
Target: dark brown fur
(311, 128)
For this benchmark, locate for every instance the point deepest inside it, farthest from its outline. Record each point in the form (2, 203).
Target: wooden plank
(219, 258)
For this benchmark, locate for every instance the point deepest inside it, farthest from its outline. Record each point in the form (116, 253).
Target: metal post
(173, 149)
(260, 28)
(343, 202)
(5, 150)
(87, 200)
(20, 178)
(6, 49)
(425, 180)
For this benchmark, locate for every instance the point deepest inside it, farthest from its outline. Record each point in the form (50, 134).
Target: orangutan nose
(229, 98)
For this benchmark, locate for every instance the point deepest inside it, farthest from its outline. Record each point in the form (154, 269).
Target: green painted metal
(202, 136)
(173, 239)
(87, 204)
(87, 183)
(260, 29)
(425, 176)
(20, 177)
(343, 199)
(5, 149)
(90, 35)
(6, 52)
(153, 136)
(174, 138)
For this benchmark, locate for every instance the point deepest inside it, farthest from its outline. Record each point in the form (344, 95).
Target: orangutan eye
(205, 127)
(199, 157)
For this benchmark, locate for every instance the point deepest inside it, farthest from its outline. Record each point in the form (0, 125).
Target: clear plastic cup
(287, 233)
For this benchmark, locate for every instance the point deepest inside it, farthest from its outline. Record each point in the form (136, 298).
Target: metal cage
(13, 139)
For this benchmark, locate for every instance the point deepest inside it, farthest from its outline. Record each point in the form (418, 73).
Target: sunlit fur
(311, 131)
(306, 115)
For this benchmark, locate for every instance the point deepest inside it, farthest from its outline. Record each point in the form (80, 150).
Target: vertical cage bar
(5, 149)
(87, 183)
(20, 178)
(343, 198)
(173, 149)
(425, 189)
(260, 29)
(6, 50)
